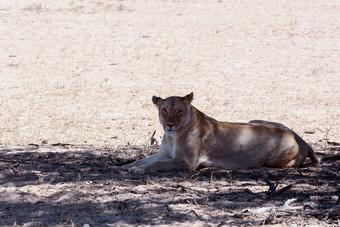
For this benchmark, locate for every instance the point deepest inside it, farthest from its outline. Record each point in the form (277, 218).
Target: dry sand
(83, 72)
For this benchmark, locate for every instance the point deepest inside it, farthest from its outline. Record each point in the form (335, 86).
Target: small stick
(168, 208)
(192, 211)
(272, 186)
(153, 140)
(211, 177)
(284, 189)
(338, 200)
(331, 158)
(270, 217)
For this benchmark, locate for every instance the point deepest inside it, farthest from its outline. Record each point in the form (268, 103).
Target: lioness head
(174, 112)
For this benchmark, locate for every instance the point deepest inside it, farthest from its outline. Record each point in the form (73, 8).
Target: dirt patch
(73, 185)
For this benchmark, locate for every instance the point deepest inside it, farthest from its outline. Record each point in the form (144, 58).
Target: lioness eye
(179, 113)
(164, 110)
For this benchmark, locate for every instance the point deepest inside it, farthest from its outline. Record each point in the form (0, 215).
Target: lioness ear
(188, 98)
(157, 100)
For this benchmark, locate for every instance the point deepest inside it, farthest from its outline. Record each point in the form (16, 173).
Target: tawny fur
(192, 139)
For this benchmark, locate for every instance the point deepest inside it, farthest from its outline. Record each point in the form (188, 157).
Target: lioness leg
(293, 157)
(142, 162)
(154, 163)
(161, 166)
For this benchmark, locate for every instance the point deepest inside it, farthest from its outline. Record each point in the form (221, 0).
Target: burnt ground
(72, 185)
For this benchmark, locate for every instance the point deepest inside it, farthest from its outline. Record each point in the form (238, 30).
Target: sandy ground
(71, 185)
(83, 73)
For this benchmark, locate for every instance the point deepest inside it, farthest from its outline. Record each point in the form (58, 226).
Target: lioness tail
(311, 155)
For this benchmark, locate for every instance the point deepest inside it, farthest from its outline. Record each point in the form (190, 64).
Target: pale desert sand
(76, 71)
(83, 73)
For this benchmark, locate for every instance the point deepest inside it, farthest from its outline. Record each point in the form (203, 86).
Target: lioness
(192, 139)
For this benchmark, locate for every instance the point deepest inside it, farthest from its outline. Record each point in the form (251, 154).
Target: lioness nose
(170, 124)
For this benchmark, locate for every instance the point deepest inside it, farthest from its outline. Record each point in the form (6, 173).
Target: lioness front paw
(136, 170)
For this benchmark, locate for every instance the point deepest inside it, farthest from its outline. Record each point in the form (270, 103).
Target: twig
(272, 186)
(330, 157)
(338, 200)
(329, 129)
(330, 172)
(286, 205)
(284, 189)
(192, 211)
(333, 213)
(326, 134)
(284, 208)
(330, 213)
(153, 140)
(270, 217)
(156, 185)
(195, 175)
(62, 144)
(211, 177)
(300, 172)
(167, 208)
